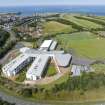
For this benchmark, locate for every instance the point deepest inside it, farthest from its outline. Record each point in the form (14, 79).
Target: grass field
(53, 27)
(21, 76)
(84, 44)
(96, 18)
(51, 70)
(84, 23)
(100, 17)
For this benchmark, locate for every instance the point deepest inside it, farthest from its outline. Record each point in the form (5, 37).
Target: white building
(13, 67)
(46, 45)
(37, 68)
(40, 59)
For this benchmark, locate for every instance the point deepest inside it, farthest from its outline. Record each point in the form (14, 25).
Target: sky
(50, 2)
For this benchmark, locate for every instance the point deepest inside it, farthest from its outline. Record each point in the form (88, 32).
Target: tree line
(91, 19)
(6, 48)
(64, 21)
(3, 37)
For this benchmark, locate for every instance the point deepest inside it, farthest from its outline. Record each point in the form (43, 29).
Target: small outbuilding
(78, 69)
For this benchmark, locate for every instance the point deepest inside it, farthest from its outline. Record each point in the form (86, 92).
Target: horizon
(50, 5)
(49, 2)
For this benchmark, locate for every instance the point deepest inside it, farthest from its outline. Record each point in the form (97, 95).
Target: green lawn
(53, 27)
(84, 23)
(84, 44)
(51, 70)
(21, 76)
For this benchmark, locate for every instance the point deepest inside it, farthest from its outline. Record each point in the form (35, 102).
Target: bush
(82, 83)
(27, 92)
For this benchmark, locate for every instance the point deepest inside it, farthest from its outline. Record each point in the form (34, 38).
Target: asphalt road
(18, 101)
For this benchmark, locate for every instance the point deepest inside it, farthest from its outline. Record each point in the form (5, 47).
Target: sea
(29, 10)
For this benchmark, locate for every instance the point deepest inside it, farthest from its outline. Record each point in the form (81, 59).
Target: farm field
(84, 44)
(53, 27)
(84, 23)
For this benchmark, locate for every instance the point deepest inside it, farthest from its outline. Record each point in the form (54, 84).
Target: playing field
(84, 23)
(84, 44)
(53, 27)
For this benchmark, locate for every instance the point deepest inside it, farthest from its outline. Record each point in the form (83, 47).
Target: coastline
(29, 10)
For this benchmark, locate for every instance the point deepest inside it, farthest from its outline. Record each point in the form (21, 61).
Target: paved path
(18, 101)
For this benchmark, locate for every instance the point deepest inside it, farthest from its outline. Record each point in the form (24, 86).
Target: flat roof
(46, 44)
(34, 52)
(53, 45)
(76, 70)
(63, 59)
(38, 65)
(15, 62)
(23, 49)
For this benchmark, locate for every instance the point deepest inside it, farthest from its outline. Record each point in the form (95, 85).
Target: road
(18, 101)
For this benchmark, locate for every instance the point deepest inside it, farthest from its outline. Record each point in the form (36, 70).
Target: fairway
(84, 44)
(84, 23)
(53, 27)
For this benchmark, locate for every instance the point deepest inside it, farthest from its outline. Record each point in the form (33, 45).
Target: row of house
(39, 58)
